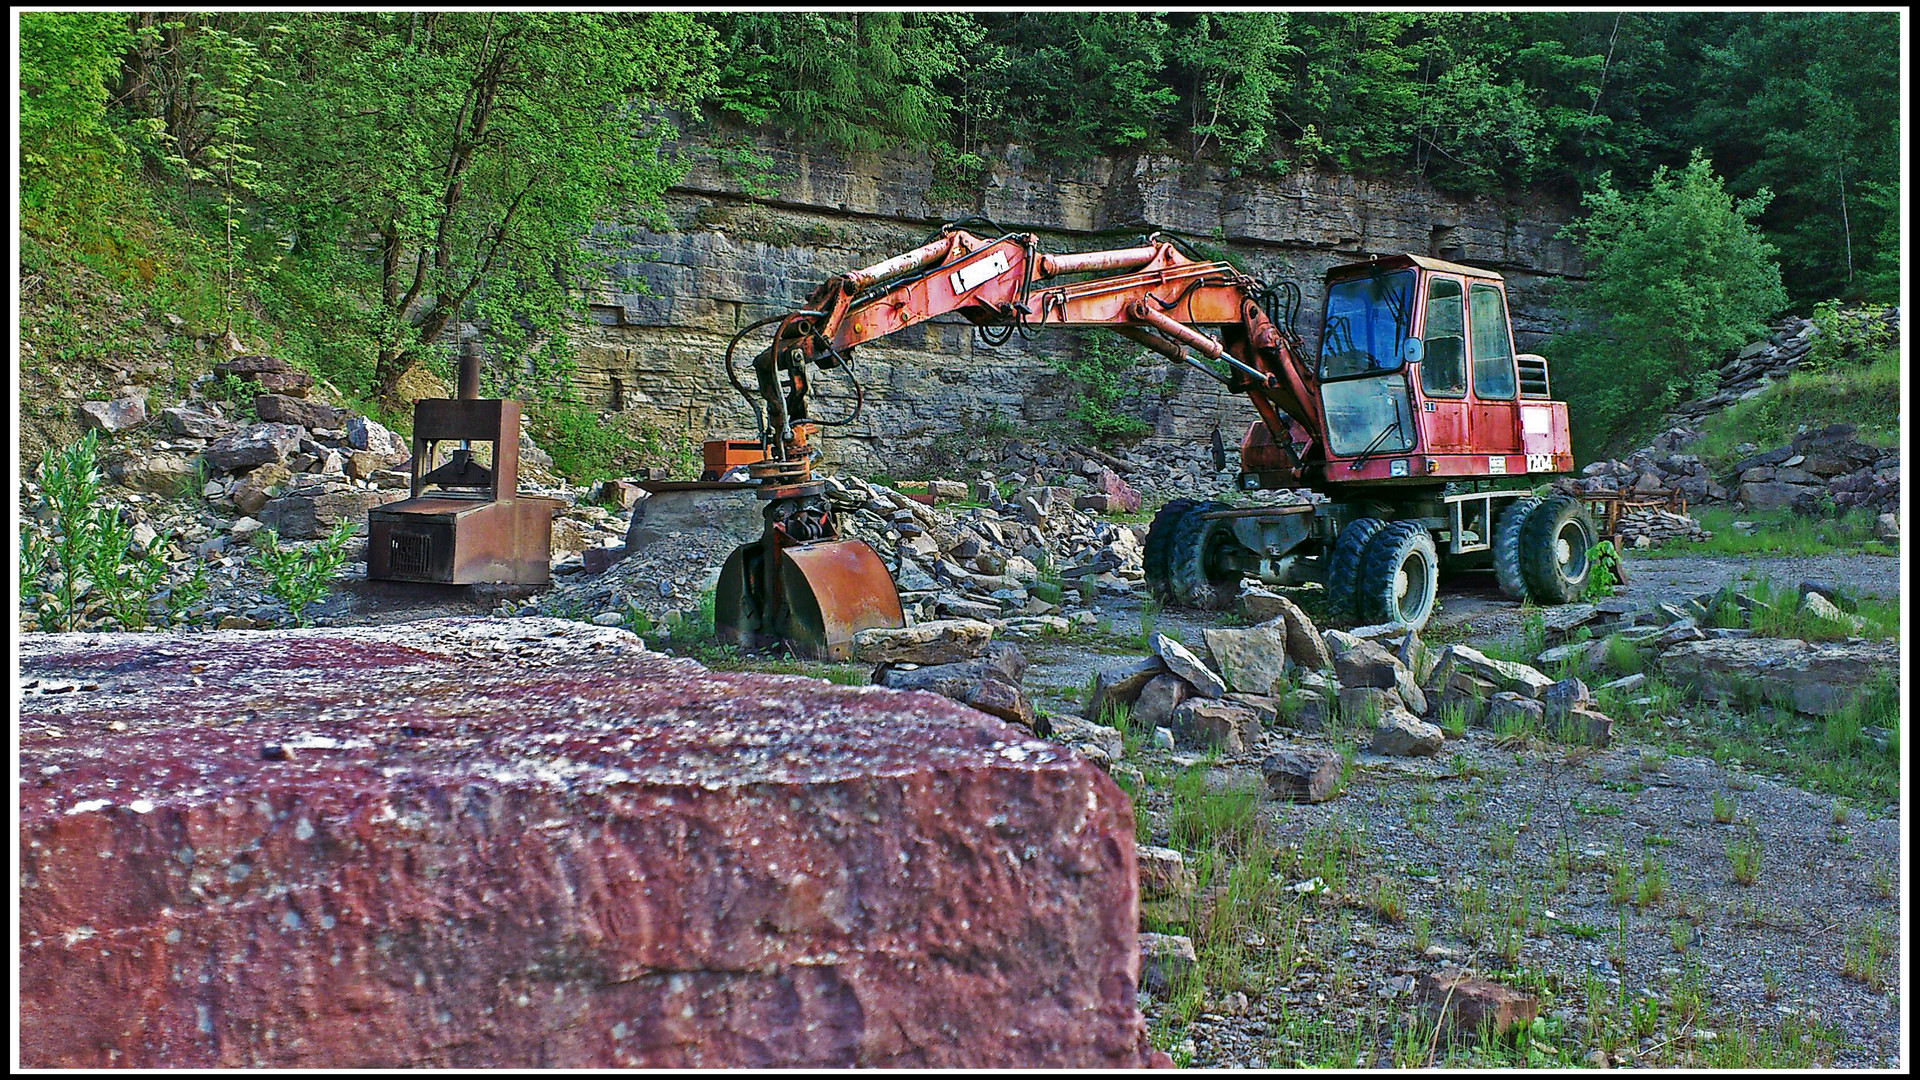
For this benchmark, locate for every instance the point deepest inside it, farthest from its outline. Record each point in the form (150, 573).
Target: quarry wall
(731, 258)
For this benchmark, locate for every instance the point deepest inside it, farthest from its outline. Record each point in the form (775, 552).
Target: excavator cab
(1419, 380)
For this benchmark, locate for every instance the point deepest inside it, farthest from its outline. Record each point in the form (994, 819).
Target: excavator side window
(1493, 378)
(1443, 371)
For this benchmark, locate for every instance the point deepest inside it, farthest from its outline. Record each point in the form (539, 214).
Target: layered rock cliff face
(732, 259)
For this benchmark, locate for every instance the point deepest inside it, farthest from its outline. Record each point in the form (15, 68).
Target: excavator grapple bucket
(818, 597)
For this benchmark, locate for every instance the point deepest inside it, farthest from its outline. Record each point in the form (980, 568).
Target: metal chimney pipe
(470, 369)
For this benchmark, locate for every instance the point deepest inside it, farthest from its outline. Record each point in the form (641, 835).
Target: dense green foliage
(360, 183)
(1101, 369)
(1803, 104)
(1680, 277)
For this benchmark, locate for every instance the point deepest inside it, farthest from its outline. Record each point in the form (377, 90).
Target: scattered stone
(1304, 644)
(1207, 722)
(1360, 702)
(1163, 872)
(1509, 709)
(1165, 961)
(1886, 528)
(155, 473)
(278, 408)
(1818, 678)
(1626, 684)
(116, 415)
(1502, 673)
(1187, 666)
(941, 641)
(1159, 698)
(1122, 685)
(1249, 659)
(311, 513)
(1402, 734)
(192, 422)
(252, 446)
(1302, 774)
(1463, 1005)
(253, 490)
(1563, 696)
(365, 433)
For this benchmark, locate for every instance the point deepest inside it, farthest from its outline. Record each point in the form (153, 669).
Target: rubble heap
(1822, 471)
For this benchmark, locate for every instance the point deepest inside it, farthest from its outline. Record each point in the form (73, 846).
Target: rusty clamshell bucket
(818, 596)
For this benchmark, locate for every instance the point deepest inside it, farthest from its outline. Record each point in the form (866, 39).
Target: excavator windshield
(1369, 321)
(1369, 331)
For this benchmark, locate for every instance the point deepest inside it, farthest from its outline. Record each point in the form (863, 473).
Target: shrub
(91, 553)
(300, 577)
(1100, 371)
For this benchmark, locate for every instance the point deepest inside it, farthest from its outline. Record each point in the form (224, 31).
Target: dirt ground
(1706, 953)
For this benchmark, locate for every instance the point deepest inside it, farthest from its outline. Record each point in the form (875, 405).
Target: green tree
(68, 150)
(862, 80)
(478, 151)
(1079, 84)
(1233, 67)
(1680, 277)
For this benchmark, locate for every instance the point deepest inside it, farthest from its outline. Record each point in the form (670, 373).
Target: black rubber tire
(1403, 546)
(1506, 546)
(1554, 542)
(1159, 538)
(1343, 565)
(1194, 584)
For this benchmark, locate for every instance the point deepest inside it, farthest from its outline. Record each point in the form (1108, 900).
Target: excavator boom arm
(1153, 294)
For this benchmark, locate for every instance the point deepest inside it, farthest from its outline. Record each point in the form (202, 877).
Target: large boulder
(665, 515)
(473, 843)
(194, 422)
(1816, 678)
(252, 446)
(1249, 659)
(1461, 1005)
(1158, 699)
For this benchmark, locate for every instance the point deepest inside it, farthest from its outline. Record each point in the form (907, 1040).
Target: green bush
(300, 577)
(1105, 391)
(91, 553)
(1681, 277)
(1857, 335)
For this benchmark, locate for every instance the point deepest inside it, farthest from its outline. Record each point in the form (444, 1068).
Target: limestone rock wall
(732, 259)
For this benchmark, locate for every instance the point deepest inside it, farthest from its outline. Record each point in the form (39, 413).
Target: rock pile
(1027, 561)
(1286, 673)
(1649, 527)
(1822, 471)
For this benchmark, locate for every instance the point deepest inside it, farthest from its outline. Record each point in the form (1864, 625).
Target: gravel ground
(1757, 956)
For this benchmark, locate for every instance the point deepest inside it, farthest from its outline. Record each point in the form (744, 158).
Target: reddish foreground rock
(470, 842)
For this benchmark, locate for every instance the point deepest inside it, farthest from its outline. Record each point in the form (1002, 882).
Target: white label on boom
(974, 273)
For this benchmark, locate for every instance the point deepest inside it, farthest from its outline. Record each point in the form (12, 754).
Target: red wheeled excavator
(1416, 420)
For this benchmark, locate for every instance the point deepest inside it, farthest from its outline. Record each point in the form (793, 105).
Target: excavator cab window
(1493, 378)
(1368, 322)
(1443, 371)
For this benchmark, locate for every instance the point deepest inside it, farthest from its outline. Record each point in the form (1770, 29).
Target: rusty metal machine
(1416, 419)
(476, 527)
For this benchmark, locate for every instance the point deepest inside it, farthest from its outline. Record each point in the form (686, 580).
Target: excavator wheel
(1399, 576)
(1343, 566)
(1193, 564)
(1159, 537)
(1554, 542)
(1506, 547)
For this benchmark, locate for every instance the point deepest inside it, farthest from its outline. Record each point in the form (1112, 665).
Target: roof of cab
(1399, 259)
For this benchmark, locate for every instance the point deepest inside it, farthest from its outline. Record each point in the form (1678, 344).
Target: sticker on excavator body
(975, 273)
(1497, 464)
